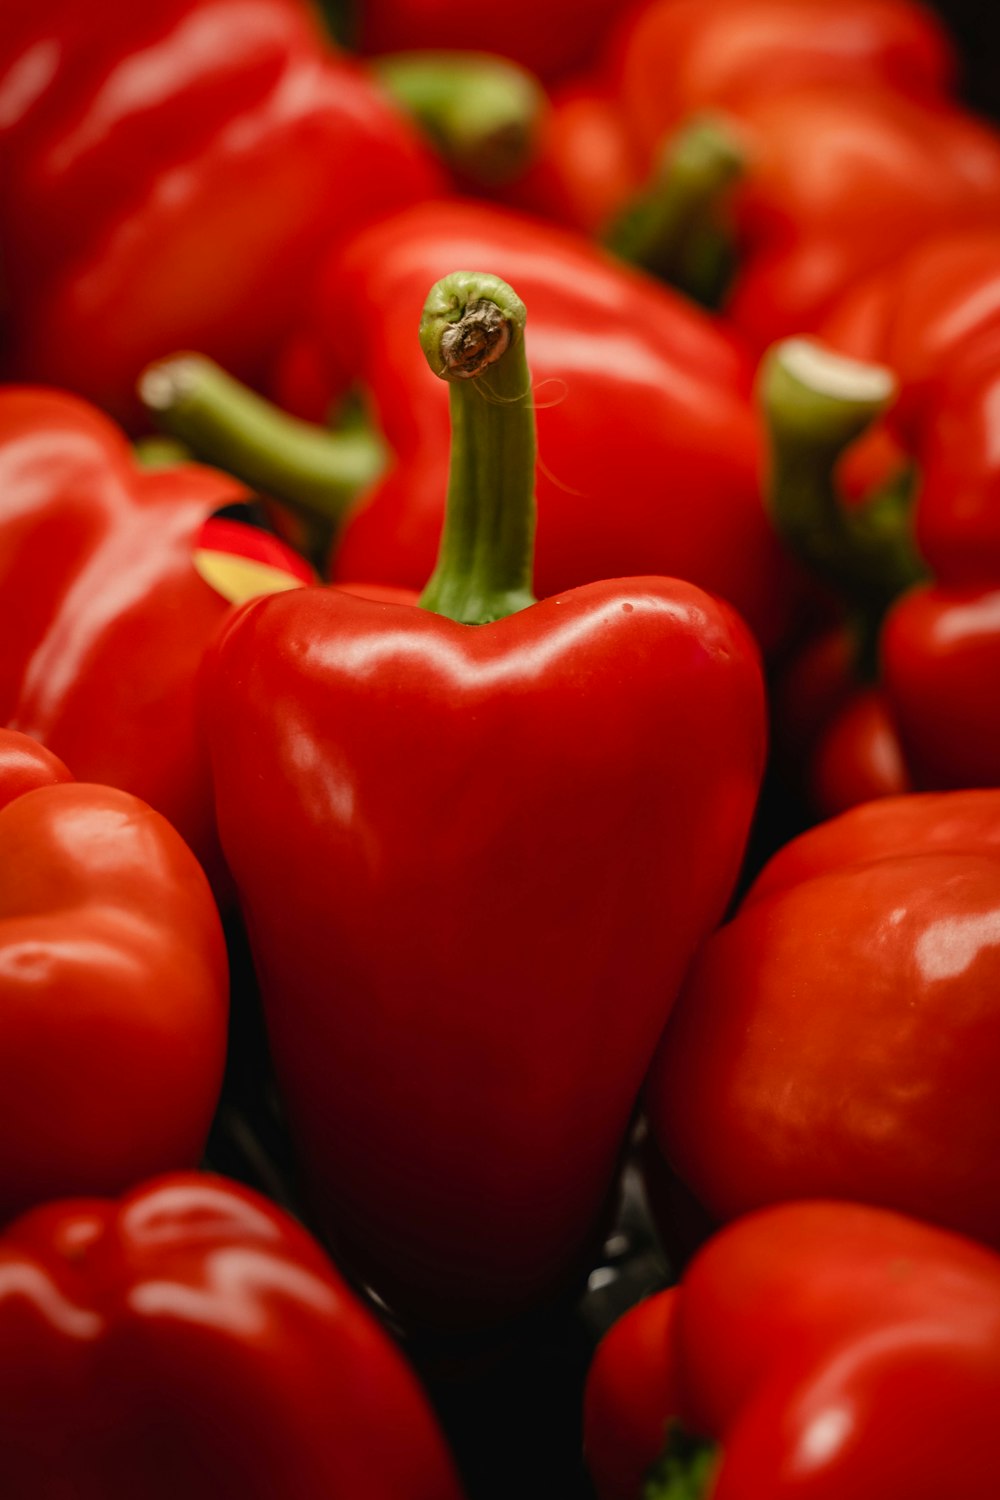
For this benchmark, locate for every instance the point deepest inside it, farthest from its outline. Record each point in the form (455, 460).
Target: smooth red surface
(585, 164)
(551, 38)
(934, 317)
(832, 1350)
(113, 988)
(940, 650)
(103, 617)
(835, 737)
(26, 765)
(168, 175)
(672, 60)
(649, 448)
(841, 1035)
(629, 1396)
(841, 182)
(957, 518)
(816, 681)
(484, 860)
(854, 153)
(193, 1340)
(858, 756)
(931, 313)
(676, 58)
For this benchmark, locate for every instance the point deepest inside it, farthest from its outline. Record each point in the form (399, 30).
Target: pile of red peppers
(499, 752)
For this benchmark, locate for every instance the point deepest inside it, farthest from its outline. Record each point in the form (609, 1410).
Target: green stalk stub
(685, 1470)
(226, 424)
(472, 333)
(481, 112)
(160, 453)
(816, 403)
(678, 228)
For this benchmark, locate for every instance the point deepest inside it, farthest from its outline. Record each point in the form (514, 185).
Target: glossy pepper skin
(827, 1349)
(168, 175)
(650, 450)
(487, 848)
(104, 615)
(840, 1035)
(192, 1339)
(113, 987)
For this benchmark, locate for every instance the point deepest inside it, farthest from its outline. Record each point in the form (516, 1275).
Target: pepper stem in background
(678, 228)
(481, 112)
(472, 333)
(816, 404)
(160, 453)
(684, 1471)
(315, 471)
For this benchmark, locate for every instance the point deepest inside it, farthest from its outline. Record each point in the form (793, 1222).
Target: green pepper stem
(685, 1470)
(816, 403)
(481, 112)
(226, 424)
(472, 333)
(160, 452)
(677, 228)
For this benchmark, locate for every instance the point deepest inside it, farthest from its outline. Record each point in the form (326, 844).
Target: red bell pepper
(671, 60)
(840, 1037)
(585, 166)
(168, 175)
(852, 152)
(836, 742)
(930, 313)
(840, 183)
(113, 988)
(937, 321)
(550, 39)
(105, 607)
(940, 655)
(193, 1340)
(480, 850)
(835, 730)
(817, 1350)
(934, 320)
(649, 444)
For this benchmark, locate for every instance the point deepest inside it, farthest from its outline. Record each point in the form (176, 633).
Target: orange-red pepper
(193, 1340)
(113, 988)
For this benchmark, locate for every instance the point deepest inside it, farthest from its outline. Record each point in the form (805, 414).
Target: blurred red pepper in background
(839, 182)
(105, 607)
(839, 117)
(670, 60)
(933, 317)
(812, 1350)
(193, 1340)
(169, 173)
(649, 445)
(113, 988)
(840, 1036)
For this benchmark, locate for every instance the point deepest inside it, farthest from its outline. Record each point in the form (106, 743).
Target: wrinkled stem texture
(472, 333)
